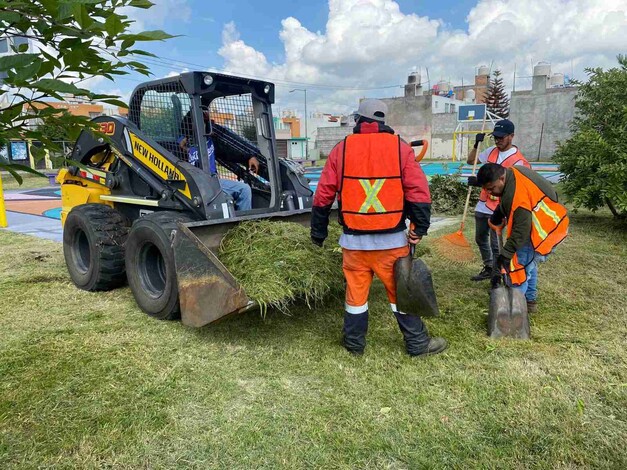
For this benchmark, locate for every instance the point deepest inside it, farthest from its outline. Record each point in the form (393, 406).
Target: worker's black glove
(502, 263)
(497, 217)
(496, 280)
(479, 137)
(472, 181)
(317, 241)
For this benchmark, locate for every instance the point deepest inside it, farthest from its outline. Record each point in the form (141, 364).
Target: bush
(594, 159)
(448, 194)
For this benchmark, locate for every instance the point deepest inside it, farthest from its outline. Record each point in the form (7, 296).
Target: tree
(497, 101)
(594, 159)
(72, 41)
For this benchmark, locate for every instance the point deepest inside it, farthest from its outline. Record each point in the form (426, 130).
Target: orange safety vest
(493, 201)
(371, 196)
(549, 221)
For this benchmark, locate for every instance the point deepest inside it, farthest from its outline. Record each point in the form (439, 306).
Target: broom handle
(474, 168)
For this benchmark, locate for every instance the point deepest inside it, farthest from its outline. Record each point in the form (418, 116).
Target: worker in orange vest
(536, 222)
(507, 155)
(378, 184)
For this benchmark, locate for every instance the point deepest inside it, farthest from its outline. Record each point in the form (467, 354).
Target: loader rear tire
(150, 264)
(93, 246)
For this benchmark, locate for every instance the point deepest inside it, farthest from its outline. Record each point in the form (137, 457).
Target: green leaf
(115, 102)
(38, 153)
(140, 4)
(52, 84)
(17, 60)
(114, 25)
(7, 115)
(9, 167)
(81, 15)
(28, 72)
(140, 52)
(27, 169)
(156, 35)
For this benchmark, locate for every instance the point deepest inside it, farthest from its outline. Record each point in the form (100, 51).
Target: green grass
(89, 381)
(30, 181)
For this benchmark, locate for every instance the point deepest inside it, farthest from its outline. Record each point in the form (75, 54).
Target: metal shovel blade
(415, 294)
(507, 317)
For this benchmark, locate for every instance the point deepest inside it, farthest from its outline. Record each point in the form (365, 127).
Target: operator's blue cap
(180, 139)
(502, 128)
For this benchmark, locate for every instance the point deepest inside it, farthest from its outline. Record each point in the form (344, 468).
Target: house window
(436, 105)
(446, 108)
(452, 108)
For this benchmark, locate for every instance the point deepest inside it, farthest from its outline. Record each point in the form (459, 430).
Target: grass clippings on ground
(90, 381)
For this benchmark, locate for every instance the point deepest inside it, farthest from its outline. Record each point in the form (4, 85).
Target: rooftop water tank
(469, 96)
(413, 78)
(483, 70)
(542, 68)
(557, 79)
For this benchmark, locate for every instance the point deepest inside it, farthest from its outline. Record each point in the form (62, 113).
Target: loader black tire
(93, 246)
(150, 264)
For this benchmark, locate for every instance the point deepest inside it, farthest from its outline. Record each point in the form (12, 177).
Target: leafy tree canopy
(70, 41)
(594, 159)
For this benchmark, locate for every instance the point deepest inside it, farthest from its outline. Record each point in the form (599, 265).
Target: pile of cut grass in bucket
(276, 263)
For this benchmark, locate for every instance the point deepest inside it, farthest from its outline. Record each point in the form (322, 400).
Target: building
(543, 114)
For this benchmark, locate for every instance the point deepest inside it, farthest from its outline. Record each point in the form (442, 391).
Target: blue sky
(342, 50)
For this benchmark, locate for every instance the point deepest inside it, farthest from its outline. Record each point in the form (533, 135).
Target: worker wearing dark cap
(506, 155)
(378, 183)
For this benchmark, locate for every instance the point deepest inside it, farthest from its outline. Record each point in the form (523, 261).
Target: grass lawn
(90, 381)
(30, 181)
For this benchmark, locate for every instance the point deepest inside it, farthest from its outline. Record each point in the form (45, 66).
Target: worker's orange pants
(360, 266)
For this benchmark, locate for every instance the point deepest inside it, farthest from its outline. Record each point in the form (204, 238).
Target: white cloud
(161, 12)
(369, 43)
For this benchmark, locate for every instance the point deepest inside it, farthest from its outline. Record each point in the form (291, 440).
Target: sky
(344, 50)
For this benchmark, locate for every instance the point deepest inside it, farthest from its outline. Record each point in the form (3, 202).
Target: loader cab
(239, 125)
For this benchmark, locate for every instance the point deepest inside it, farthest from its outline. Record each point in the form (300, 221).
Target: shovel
(507, 317)
(415, 294)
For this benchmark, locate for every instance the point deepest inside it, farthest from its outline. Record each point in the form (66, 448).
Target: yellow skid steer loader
(135, 209)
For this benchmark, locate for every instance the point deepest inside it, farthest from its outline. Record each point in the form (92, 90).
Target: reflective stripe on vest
(549, 222)
(371, 190)
(493, 201)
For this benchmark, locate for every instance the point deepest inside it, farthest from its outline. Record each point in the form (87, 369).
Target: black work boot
(436, 345)
(486, 273)
(354, 332)
(414, 333)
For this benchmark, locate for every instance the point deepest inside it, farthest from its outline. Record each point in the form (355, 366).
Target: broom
(454, 246)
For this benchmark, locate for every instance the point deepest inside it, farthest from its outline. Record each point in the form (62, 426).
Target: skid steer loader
(135, 209)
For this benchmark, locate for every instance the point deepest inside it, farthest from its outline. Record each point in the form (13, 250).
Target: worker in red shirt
(378, 184)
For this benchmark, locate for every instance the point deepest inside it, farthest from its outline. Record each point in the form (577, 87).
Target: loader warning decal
(157, 163)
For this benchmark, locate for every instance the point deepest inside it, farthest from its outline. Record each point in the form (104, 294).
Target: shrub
(448, 194)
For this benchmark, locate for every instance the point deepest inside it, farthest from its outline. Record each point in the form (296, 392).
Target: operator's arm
(416, 188)
(326, 192)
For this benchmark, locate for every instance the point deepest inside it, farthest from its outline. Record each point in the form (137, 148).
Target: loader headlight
(266, 89)
(208, 79)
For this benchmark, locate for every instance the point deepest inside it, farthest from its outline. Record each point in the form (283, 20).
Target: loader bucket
(207, 290)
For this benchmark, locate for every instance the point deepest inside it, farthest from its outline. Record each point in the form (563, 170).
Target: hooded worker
(378, 184)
